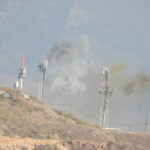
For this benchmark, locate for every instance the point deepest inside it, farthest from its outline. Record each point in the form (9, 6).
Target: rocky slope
(30, 124)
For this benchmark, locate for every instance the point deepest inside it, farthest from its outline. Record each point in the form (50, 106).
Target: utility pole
(43, 65)
(147, 125)
(106, 93)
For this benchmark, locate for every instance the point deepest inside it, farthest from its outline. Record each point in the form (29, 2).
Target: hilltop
(27, 120)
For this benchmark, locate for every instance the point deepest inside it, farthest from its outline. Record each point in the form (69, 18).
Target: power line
(92, 117)
(84, 113)
(126, 125)
(58, 104)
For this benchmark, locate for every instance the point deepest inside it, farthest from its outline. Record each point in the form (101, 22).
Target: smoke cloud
(69, 65)
(130, 83)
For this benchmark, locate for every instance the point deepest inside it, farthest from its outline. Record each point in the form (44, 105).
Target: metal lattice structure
(106, 92)
(43, 65)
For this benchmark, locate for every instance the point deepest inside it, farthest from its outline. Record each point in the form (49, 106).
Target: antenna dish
(106, 69)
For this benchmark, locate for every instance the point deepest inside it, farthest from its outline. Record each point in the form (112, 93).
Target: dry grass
(30, 118)
(68, 116)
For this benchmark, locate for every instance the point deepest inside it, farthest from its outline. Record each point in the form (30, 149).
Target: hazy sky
(117, 31)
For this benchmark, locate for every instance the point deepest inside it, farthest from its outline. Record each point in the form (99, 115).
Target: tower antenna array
(43, 65)
(106, 93)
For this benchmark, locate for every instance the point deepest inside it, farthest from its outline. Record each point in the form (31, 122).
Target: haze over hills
(24, 120)
(117, 32)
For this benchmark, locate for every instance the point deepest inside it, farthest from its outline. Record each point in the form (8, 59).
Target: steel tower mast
(43, 65)
(106, 93)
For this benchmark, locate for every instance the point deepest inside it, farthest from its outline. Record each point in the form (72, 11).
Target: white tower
(106, 93)
(21, 73)
(43, 65)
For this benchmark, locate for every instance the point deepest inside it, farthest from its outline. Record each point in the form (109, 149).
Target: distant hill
(29, 118)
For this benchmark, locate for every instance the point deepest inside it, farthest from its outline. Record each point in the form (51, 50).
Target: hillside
(29, 121)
